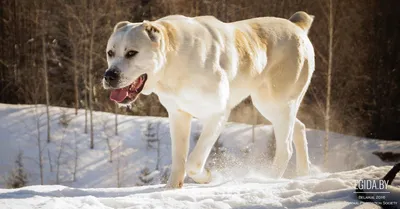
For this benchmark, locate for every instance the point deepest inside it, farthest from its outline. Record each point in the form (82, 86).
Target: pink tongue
(119, 95)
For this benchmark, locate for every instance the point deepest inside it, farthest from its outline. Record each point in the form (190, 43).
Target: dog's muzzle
(111, 77)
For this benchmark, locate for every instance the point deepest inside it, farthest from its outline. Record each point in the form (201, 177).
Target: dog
(201, 67)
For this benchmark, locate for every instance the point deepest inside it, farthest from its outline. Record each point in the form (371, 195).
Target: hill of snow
(240, 178)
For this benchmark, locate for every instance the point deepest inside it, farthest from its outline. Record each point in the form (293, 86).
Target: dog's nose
(112, 76)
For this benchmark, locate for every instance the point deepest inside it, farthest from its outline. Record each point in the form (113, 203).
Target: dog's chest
(194, 101)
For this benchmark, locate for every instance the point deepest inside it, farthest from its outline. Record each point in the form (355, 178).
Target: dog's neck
(169, 48)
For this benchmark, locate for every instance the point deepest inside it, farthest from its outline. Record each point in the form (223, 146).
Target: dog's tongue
(118, 95)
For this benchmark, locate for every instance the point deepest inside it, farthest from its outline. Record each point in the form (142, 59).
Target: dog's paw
(174, 185)
(202, 178)
(303, 172)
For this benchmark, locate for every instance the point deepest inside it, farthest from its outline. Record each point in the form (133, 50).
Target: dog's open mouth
(129, 93)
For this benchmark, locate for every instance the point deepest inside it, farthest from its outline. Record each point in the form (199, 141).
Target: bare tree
(76, 158)
(42, 25)
(64, 122)
(327, 114)
(108, 141)
(116, 119)
(119, 171)
(59, 155)
(50, 163)
(46, 85)
(328, 85)
(39, 145)
(90, 75)
(158, 146)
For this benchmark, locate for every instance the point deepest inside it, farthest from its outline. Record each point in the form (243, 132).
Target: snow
(251, 191)
(240, 173)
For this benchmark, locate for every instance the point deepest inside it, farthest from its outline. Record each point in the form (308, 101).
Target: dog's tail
(302, 19)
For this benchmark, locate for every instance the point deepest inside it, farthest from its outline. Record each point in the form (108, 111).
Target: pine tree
(145, 176)
(17, 177)
(150, 135)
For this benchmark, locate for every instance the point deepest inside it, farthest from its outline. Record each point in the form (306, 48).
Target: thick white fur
(201, 67)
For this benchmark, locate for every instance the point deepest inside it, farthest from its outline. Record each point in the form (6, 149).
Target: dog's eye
(110, 53)
(130, 54)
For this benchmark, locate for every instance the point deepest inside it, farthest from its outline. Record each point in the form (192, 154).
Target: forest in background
(53, 52)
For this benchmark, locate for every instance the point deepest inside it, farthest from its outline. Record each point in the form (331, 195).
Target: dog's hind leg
(283, 117)
(283, 128)
(300, 143)
(212, 128)
(299, 132)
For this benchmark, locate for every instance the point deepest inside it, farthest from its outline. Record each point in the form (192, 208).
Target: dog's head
(135, 58)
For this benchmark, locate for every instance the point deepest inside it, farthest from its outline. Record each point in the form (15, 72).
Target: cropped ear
(120, 25)
(152, 31)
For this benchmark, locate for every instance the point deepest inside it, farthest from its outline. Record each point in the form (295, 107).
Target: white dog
(202, 67)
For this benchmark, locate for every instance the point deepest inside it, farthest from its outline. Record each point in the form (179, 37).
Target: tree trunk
(328, 89)
(158, 147)
(85, 83)
(119, 163)
(46, 85)
(58, 165)
(39, 146)
(50, 163)
(116, 119)
(76, 89)
(76, 158)
(91, 84)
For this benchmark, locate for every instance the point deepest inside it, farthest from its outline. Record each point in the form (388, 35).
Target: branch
(73, 15)
(320, 107)
(324, 10)
(320, 55)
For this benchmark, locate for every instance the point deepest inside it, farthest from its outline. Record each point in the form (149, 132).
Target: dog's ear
(120, 25)
(152, 31)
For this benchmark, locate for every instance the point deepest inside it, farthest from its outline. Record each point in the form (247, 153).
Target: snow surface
(240, 173)
(252, 192)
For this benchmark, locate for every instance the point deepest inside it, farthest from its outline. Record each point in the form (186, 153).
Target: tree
(150, 135)
(108, 136)
(146, 177)
(76, 158)
(329, 82)
(158, 147)
(46, 84)
(92, 26)
(39, 145)
(18, 176)
(116, 119)
(64, 122)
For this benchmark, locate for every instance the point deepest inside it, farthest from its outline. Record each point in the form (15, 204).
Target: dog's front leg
(180, 131)
(212, 128)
